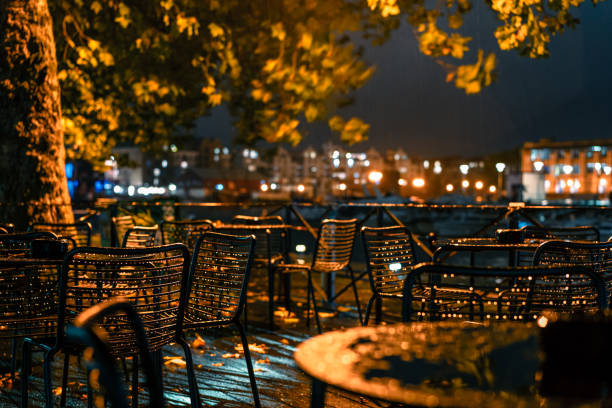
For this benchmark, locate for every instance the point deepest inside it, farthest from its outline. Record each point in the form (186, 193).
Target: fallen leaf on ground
(343, 309)
(231, 355)
(263, 361)
(198, 342)
(173, 362)
(284, 341)
(253, 348)
(217, 364)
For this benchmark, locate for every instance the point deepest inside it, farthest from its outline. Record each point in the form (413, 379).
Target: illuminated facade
(568, 168)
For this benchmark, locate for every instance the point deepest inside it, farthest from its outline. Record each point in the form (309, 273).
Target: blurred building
(567, 169)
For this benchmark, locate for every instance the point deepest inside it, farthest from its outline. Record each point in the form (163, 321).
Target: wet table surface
(448, 364)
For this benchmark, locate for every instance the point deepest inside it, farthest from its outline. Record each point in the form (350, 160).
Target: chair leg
(26, 365)
(47, 377)
(314, 302)
(64, 378)
(270, 296)
(135, 381)
(368, 310)
(354, 284)
(13, 358)
(89, 390)
(308, 289)
(249, 363)
(194, 392)
(378, 310)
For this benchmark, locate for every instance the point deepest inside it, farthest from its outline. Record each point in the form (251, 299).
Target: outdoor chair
(332, 253)
(581, 233)
(87, 332)
(389, 258)
(9, 228)
(219, 275)
(442, 292)
(120, 226)
(19, 245)
(79, 232)
(596, 256)
(140, 237)
(184, 231)
(154, 280)
(270, 249)
(28, 301)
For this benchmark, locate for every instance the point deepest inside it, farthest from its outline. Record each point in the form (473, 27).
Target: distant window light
(216, 158)
(173, 148)
(245, 153)
(348, 155)
(184, 164)
(217, 150)
(156, 172)
(350, 162)
(426, 164)
(225, 151)
(253, 154)
(69, 170)
(313, 155)
(313, 169)
(335, 154)
(164, 163)
(251, 167)
(396, 156)
(219, 187)
(336, 162)
(356, 175)
(366, 163)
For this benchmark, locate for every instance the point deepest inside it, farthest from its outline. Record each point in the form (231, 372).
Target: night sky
(408, 103)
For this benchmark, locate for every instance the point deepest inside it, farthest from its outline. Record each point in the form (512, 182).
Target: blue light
(69, 170)
(71, 188)
(98, 186)
(108, 186)
(219, 187)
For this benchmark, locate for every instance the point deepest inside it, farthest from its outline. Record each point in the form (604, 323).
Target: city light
(300, 248)
(375, 176)
(264, 187)
(131, 190)
(464, 168)
(273, 186)
(336, 163)
(219, 187)
(538, 165)
(450, 187)
(437, 168)
(183, 164)
(156, 172)
(426, 164)
(479, 185)
(492, 189)
(164, 163)
(402, 182)
(118, 190)
(465, 184)
(568, 168)
(301, 188)
(172, 187)
(418, 182)
(173, 148)
(341, 186)
(500, 167)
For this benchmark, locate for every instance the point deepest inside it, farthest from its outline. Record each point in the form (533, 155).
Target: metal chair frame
(325, 252)
(92, 275)
(386, 246)
(185, 231)
(219, 275)
(120, 225)
(450, 290)
(516, 256)
(83, 332)
(139, 237)
(18, 245)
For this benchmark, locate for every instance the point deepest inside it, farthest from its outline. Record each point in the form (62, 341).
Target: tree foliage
(144, 71)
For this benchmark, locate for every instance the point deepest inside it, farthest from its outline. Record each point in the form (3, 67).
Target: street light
(500, 169)
(418, 182)
(375, 176)
(464, 168)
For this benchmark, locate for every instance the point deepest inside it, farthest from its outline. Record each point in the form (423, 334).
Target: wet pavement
(220, 367)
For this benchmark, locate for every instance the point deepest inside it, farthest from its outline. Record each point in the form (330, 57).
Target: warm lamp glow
(450, 187)
(492, 189)
(301, 188)
(418, 182)
(375, 176)
(465, 184)
(479, 185)
(264, 187)
(402, 182)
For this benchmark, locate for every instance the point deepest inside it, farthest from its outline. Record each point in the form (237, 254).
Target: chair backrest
(19, 245)
(79, 232)
(28, 298)
(440, 292)
(121, 225)
(140, 237)
(154, 280)
(85, 332)
(9, 228)
(597, 256)
(334, 246)
(184, 231)
(219, 275)
(389, 257)
(270, 242)
(483, 255)
(581, 233)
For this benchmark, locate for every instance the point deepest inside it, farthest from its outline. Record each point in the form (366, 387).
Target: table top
(458, 364)
(487, 243)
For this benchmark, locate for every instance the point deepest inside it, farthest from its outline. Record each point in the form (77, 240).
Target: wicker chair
(332, 253)
(85, 332)
(154, 280)
(184, 231)
(597, 256)
(441, 292)
(582, 233)
(120, 226)
(79, 232)
(219, 276)
(139, 237)
(389, 257)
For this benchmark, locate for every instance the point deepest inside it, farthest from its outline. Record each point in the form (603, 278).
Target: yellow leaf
(215, 30)
(96, 7)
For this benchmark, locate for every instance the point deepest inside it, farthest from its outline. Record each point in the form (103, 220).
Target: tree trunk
(32, 157)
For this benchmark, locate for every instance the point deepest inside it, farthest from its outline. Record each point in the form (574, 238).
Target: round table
(447, 364)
